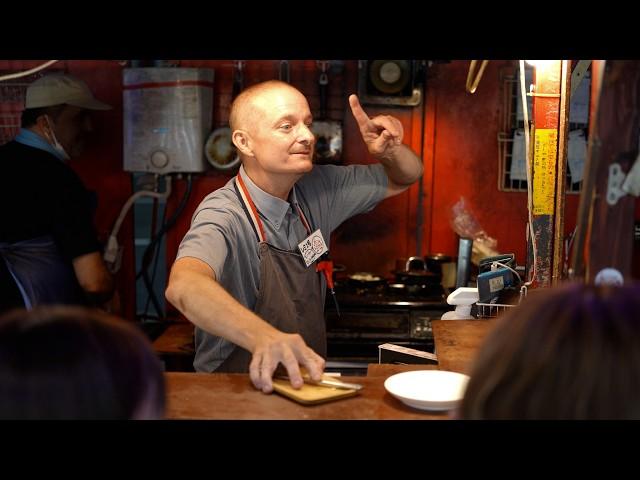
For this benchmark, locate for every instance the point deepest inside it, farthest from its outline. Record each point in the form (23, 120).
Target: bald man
(245, 272)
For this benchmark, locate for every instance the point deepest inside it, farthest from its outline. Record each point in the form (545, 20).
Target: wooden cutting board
(311, 394)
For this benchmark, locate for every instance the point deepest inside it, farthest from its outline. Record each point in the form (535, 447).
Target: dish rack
(492, 310)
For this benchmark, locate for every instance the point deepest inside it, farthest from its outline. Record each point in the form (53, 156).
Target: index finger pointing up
(358, 113)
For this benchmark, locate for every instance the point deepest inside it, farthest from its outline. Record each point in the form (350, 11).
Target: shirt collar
(273, 209)
(32, 139)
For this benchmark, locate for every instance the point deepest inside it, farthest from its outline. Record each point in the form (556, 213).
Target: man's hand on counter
(289, 350)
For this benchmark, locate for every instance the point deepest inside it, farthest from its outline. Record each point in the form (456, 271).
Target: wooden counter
(457, 342)
(388, 369)
(176, 347)
(177, 339)
(226, 396)
(232, 396)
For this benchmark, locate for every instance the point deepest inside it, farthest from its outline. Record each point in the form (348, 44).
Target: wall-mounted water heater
(167, 117)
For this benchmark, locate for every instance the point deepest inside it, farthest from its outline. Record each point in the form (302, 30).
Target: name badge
(312, 247)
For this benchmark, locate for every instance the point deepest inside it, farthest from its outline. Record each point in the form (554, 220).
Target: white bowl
(428, 389)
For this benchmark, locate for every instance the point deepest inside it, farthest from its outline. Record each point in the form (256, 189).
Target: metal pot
(435, 261)
(416, 273)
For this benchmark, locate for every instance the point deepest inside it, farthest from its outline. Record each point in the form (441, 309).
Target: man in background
(49, 249)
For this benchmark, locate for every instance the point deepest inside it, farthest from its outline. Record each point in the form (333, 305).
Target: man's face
(71, 127)
(281, 139)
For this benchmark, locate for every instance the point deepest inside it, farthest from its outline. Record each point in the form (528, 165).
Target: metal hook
(473, 84)
(323, 65)
(239, 65)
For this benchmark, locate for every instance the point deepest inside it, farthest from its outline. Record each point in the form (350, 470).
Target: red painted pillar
(546, 110)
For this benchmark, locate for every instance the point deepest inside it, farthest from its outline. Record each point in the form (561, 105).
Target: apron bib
(290, 296)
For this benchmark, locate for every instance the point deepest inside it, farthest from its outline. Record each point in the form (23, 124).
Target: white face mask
(55, 143)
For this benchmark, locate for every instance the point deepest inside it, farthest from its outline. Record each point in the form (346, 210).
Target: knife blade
(325, 382)
(334, 383)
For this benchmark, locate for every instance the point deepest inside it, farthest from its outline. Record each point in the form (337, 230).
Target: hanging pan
(219, 149)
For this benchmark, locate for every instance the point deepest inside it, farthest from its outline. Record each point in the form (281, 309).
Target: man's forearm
(209, 306)
(403, 166)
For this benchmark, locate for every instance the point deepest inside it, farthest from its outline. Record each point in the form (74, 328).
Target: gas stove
(372, 316)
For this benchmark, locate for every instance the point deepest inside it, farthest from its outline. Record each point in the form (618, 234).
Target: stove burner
(383, 313)
(391, 292)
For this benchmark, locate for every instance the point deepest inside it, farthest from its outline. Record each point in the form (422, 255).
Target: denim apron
(40, 272)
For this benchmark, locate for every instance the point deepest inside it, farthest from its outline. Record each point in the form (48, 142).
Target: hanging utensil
(328, 133)
(284, 71)
(325, 265)
(219, 149)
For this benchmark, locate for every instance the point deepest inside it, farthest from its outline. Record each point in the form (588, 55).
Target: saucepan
(416, 273)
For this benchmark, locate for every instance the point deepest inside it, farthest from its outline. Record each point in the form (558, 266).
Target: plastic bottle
(463, 298)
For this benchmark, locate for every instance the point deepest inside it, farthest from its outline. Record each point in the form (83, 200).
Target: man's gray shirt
(222, 236)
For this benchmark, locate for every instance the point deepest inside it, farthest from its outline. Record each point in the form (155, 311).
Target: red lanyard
(253, 211)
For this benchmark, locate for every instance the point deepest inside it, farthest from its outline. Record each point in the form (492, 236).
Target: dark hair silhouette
(571, 352)
(76, 363)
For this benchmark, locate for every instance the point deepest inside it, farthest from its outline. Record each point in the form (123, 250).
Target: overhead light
(539, 63)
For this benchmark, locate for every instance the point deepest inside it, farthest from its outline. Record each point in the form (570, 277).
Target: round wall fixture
(220, 151)
(159, 159)
(390, 76)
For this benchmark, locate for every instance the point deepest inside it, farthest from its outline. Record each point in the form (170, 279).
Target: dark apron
(290, 297)
(40, 272)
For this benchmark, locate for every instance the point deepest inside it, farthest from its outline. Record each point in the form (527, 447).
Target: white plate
(428, 389)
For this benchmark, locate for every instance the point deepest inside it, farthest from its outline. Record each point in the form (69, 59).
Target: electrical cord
(155, 263)
(507, 266)
(150, 251)
(27, 72)
(527, 149)
(113, 251)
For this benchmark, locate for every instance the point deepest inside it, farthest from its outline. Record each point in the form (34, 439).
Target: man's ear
(242, 140)
(42, 122)
(42, 126)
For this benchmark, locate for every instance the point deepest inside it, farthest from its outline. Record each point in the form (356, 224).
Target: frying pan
(366, 280)
(219, 149)
(328, 133)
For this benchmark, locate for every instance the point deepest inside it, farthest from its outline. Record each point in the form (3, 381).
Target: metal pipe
(563, 135)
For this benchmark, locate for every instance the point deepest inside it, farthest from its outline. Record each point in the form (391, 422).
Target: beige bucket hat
(58, 89)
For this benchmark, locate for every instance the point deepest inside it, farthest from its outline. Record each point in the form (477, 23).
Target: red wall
(460, 152)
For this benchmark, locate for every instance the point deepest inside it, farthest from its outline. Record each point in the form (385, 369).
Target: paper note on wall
(577, 154)
(518, 169)
(544, 170)
(579, 106)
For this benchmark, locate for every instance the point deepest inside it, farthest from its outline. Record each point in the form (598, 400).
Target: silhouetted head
(571, 352)
(76, 363)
